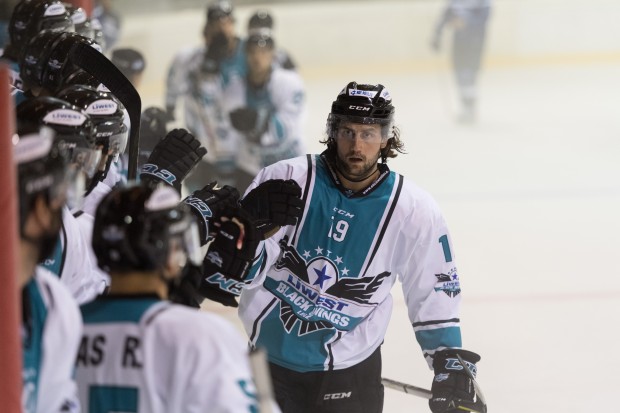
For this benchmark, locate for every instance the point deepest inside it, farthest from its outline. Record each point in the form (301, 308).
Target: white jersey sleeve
(61, 337)
(177, 83)
(429, 277)
(80, 273)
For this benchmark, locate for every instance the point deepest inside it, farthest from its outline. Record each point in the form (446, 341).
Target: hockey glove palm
(172, 159)
(250, 122)
(244, 119)
(209, 203)
(233, 248)
(274, 203)
(452, 388)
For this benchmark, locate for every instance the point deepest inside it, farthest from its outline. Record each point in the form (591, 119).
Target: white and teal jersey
(51, 331)
(141, 354)
(202, 93)
(280, 106)
(319, 298)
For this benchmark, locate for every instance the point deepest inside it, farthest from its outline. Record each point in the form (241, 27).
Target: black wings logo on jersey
(292, 261)
(359, 290)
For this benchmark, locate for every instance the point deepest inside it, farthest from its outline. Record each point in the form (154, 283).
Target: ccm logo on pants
(336, 396)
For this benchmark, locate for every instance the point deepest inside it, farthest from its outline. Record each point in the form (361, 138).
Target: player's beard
(358, 172)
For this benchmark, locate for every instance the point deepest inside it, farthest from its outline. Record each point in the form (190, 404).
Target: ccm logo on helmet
(359, 107)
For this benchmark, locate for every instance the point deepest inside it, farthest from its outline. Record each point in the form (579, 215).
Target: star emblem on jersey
(448, 283)
(321, 276)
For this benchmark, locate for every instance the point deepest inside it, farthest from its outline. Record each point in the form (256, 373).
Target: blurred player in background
(106, 23)
(262, 19)
(51, 323)
(267, 109)
(197, 76)
(468, 21)
(131, 63)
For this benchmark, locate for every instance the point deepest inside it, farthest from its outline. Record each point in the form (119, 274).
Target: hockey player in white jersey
(139, 352)
(197, 77)
(318, 296)
(468, 21)
(74, 130)
(51, 322)
(267, 109)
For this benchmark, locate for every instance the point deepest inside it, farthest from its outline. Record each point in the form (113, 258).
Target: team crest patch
(448, 283)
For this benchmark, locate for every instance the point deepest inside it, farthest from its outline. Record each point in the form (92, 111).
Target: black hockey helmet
(82, 78)
(46, 62)
(362, 103)
(75, 132)
(129, 61)
(219, 10)
(137, 227)
(41, 168)
(105, 111)
(261, 19)
(30, 17)
(260, 38)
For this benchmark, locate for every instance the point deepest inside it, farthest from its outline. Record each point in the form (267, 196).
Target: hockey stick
(262, 379)
(95, 63)
(427, 394)
(406, 388)
(477, 388)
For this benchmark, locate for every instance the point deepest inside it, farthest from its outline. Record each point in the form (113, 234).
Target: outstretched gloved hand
(234, 244)
(172, 159)
(209, 204)
(272, 204)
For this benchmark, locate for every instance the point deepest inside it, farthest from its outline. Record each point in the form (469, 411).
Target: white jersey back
(141, 354)
(51, 332)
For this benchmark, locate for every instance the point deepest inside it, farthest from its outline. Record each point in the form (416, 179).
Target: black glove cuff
(446, 361)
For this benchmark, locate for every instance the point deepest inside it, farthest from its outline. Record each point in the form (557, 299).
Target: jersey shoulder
(190, 327)
(417, 202)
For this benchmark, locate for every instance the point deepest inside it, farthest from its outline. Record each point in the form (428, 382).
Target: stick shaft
(406, 388)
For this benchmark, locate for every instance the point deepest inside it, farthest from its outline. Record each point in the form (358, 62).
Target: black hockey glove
(172, 159)
(232, 250)
(452, 387)
(274, 203)
(244, 119)
(209, 203)
(248, 121)
(217, 51)
(193, 289)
